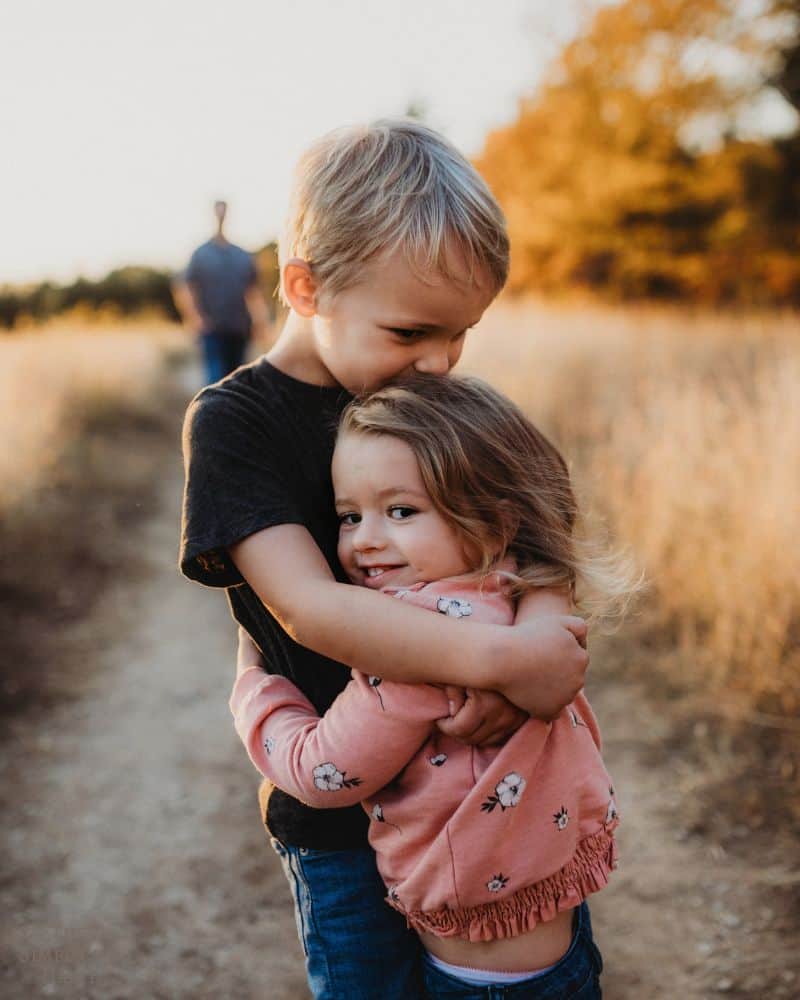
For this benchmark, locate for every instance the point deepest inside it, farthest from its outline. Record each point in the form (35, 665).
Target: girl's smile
(390, 533)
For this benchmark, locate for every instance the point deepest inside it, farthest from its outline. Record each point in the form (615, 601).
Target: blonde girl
(451, 500)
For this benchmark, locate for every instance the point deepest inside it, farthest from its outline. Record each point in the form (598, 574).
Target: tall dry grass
(54, 379)
(683, 430)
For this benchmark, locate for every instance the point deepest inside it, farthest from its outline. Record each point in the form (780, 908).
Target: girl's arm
(366, 737)
(538, 665)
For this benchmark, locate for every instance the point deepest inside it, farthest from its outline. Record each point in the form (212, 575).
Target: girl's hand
(248, 654)
(482, 718)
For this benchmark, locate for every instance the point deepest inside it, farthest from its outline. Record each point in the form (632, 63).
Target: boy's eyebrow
(412, 324)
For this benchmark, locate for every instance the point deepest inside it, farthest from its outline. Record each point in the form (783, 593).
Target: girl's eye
(349, 518)
(400, 513)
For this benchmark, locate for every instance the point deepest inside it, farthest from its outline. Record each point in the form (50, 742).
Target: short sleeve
(238, 482)
(190, 272)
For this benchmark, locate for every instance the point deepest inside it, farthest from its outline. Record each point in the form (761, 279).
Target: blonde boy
(393, 250)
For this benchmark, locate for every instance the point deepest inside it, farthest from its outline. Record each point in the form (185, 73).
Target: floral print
(561, 818)
(453, 607)
(269, 744)
(328, 778)
(375, 682)
(377, 815)
(611, 812)
(575, 719)
(438, 759)
(497, 882)
(507, 793)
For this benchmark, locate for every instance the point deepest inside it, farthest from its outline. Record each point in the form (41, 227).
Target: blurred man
(220, 301)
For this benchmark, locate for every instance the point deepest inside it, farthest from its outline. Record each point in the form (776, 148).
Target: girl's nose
(366, 536)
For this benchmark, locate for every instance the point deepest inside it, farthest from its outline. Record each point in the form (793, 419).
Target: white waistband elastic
(484, 977)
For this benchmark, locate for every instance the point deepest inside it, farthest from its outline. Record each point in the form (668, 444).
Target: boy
(394, 249)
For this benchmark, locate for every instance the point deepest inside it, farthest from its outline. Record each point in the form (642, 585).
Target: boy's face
(390, 532)
(393, 323)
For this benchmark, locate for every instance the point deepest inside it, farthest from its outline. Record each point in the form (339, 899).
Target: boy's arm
(538, 665)
(487, 718)
(366, 737)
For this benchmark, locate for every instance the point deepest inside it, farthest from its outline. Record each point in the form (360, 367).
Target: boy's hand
(248, 654)
(545, 665)
(480, 718)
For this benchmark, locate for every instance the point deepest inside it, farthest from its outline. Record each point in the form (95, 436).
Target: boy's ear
(299, 287)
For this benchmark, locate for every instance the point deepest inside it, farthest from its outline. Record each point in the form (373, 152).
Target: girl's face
(390, 533)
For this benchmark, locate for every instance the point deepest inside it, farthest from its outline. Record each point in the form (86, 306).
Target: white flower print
(438, 759)
(375, 683)
(497, 882)
(561, 818)
(575, 719)
(507, 793)
(453, 607)
(377, 815)
(611, 812)
(328, 778)
(269, 744)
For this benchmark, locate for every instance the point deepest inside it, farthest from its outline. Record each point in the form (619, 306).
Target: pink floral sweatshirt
(479, 844)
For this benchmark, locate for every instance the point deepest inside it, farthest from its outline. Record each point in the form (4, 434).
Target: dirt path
(135, 865)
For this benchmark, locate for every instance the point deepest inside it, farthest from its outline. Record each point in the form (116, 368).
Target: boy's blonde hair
(362, 191)
(500, 482)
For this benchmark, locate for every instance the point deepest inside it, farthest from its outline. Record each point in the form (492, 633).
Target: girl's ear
(299, 287)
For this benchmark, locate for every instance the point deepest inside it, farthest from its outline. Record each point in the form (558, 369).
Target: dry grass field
(86, 410)
(56, 379)
(683, 430)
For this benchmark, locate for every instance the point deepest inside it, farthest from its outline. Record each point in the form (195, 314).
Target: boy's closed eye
(406, 333)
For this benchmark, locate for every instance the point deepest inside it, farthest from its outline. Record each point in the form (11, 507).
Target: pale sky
(120, 123)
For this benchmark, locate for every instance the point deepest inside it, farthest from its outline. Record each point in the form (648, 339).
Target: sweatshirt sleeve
(367, 736)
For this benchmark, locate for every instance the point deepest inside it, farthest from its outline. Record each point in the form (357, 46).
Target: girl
(448, 498)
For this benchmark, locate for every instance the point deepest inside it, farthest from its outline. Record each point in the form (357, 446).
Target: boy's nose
(434, 362)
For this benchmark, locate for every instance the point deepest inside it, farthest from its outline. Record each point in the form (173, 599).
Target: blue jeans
(576, 976)
(222, 354)
(356, 946)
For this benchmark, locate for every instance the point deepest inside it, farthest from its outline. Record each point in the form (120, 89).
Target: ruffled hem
(587, 872)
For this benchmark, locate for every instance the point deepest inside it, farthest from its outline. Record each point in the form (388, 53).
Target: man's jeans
(222, 354)
(356, 946)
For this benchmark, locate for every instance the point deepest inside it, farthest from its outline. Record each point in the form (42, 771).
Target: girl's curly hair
(500, 482)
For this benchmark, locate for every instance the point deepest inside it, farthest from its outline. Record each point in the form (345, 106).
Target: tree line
(643, 166)
(126, 291)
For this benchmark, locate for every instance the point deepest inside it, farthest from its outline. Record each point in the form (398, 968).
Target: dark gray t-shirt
(219, 274)
(258, 448)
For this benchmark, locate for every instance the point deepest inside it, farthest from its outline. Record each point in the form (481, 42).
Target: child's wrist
(496, 660)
